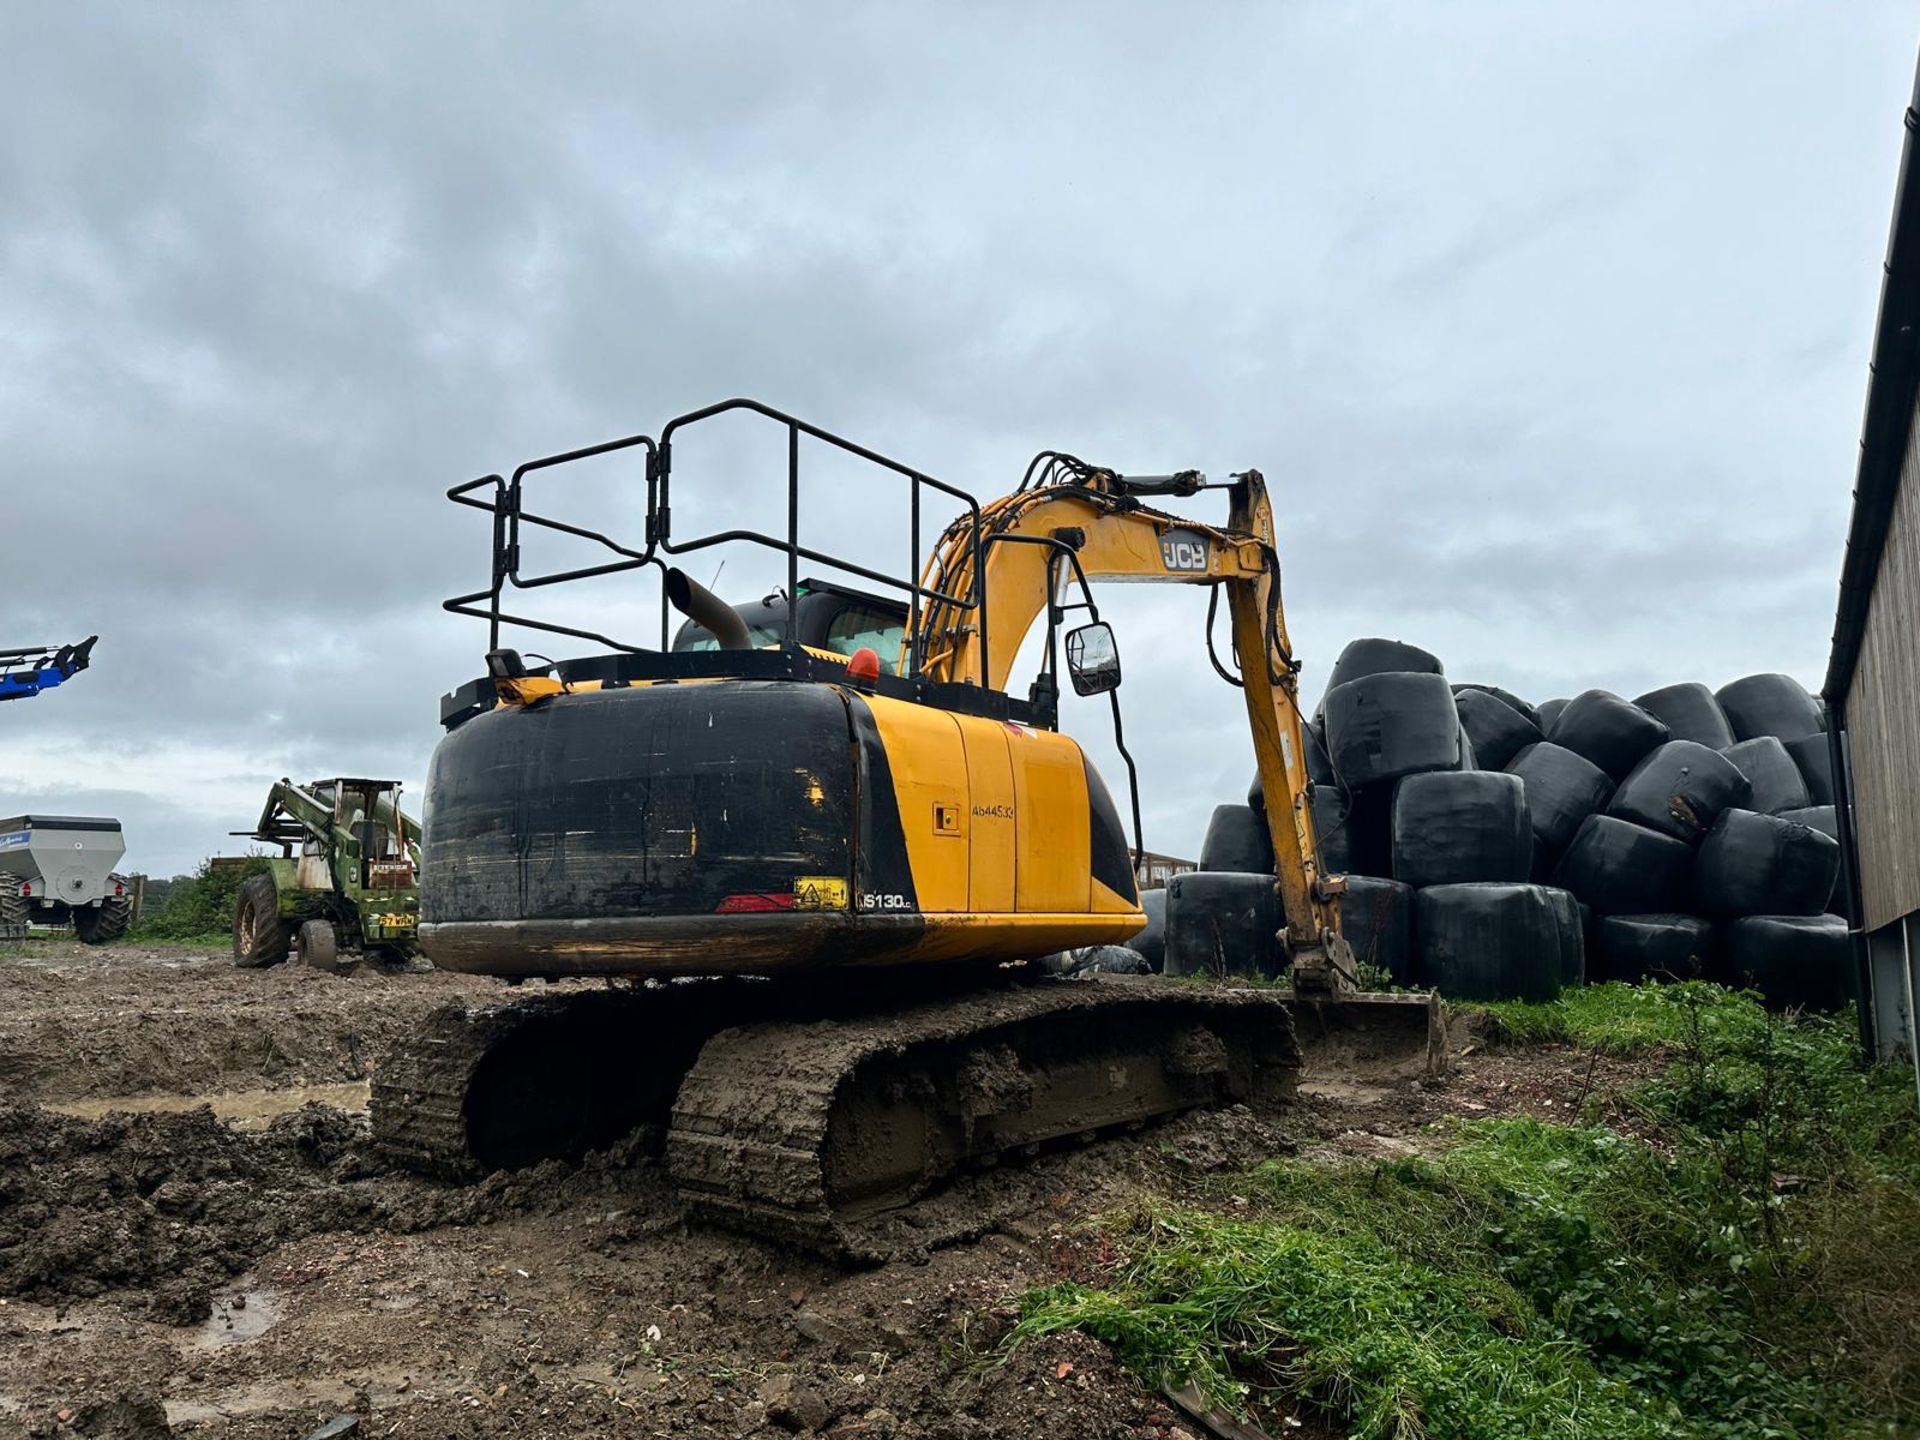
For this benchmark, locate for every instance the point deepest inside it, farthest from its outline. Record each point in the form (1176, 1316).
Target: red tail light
(738, 904)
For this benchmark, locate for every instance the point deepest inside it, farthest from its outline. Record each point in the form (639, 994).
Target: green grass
(1616, 1019)
(198, 909)
(1266, 1310)
(1749, 1272)
(212, 940)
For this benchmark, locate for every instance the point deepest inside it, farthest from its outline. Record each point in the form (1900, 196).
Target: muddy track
(80, 1022)
(252, 1283)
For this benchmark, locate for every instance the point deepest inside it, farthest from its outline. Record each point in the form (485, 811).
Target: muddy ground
(254, 1272)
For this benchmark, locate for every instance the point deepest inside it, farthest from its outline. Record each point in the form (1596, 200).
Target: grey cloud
(1547, 328)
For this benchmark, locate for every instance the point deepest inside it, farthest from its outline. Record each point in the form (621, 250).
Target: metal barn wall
(1883, 706)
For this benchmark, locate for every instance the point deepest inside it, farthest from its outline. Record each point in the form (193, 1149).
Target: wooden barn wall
(1883, 714)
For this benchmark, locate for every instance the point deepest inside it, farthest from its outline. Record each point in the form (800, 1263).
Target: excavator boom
(1099, 516)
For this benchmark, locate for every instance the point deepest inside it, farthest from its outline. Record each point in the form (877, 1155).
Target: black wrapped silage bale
(1666, 947)
(1369, 831)
(1449, 829)
(1562, 790)
(1689, 712)
(1152, 941)
(1620, 868)
(1820, 817)
(1518, 705)
(1797, 962)
(1823, 819)
(1813, 757)
(1220, 923)
(1319, 757)
(1776, 705)
(1370, 656)
(1489, 941)
(1548, 711)
(1237, 841)
(1376, 919)
(1497, 731)
(1777, 782)
(1614, 734)
(1319, 765)
(1752, 864)
(1572, 919)
(1680, 790)
(1330, 829)
(1396, 723)
(1099, 960)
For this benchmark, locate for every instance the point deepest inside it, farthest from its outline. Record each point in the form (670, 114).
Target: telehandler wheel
(109, 922)
(260, 936)
(317, 945)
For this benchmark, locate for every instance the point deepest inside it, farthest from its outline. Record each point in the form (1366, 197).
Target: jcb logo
(1184, 550)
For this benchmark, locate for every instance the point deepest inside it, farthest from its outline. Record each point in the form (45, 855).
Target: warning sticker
(819, 892)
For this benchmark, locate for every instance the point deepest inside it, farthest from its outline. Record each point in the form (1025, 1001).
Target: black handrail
(795, 551)
(506, 505)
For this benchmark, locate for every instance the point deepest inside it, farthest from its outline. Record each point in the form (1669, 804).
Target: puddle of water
(1344, 1090)
(239, 1315)
(246, 1109)
(265, 1396)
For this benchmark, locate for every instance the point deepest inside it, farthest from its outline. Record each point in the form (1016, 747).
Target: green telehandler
(345, 885)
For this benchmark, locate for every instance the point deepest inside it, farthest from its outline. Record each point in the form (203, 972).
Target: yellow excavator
(817, 846)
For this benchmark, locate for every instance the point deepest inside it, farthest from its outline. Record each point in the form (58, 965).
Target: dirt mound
(83, 1023)
(170, 1203)
(174, 1204)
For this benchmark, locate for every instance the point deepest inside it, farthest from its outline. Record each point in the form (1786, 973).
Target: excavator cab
(826, 616)
(754, 715)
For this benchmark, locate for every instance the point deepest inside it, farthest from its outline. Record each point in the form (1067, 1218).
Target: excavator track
(822, 1132)
(813, 1133)
(544, 1076)
(500, 1087)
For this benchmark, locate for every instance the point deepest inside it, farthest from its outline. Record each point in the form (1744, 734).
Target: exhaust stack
(707, 610)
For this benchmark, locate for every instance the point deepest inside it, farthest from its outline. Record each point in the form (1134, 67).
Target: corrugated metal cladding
(1883, 714)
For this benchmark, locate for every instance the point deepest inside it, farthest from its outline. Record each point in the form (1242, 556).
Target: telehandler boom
(27, 670)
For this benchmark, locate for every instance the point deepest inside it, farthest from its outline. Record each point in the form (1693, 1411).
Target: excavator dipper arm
(1115, 537)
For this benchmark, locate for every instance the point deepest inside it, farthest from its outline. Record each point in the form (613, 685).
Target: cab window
(880, 632)
(697, 637)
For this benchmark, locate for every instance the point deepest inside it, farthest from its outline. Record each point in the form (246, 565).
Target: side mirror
(1093, 660)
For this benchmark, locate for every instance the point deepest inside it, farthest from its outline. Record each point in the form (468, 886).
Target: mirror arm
(1133, 781)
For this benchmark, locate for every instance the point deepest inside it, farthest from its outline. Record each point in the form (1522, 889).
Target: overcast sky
(1549, 326)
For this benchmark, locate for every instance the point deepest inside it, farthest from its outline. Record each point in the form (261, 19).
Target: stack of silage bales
(1496, 849)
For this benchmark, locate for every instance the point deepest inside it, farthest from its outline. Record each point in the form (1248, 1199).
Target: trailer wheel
(317, 944)
(260, 936)
(111, 920)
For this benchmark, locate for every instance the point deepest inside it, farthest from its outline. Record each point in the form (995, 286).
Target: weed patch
(198, 908)
(1750, 1270)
